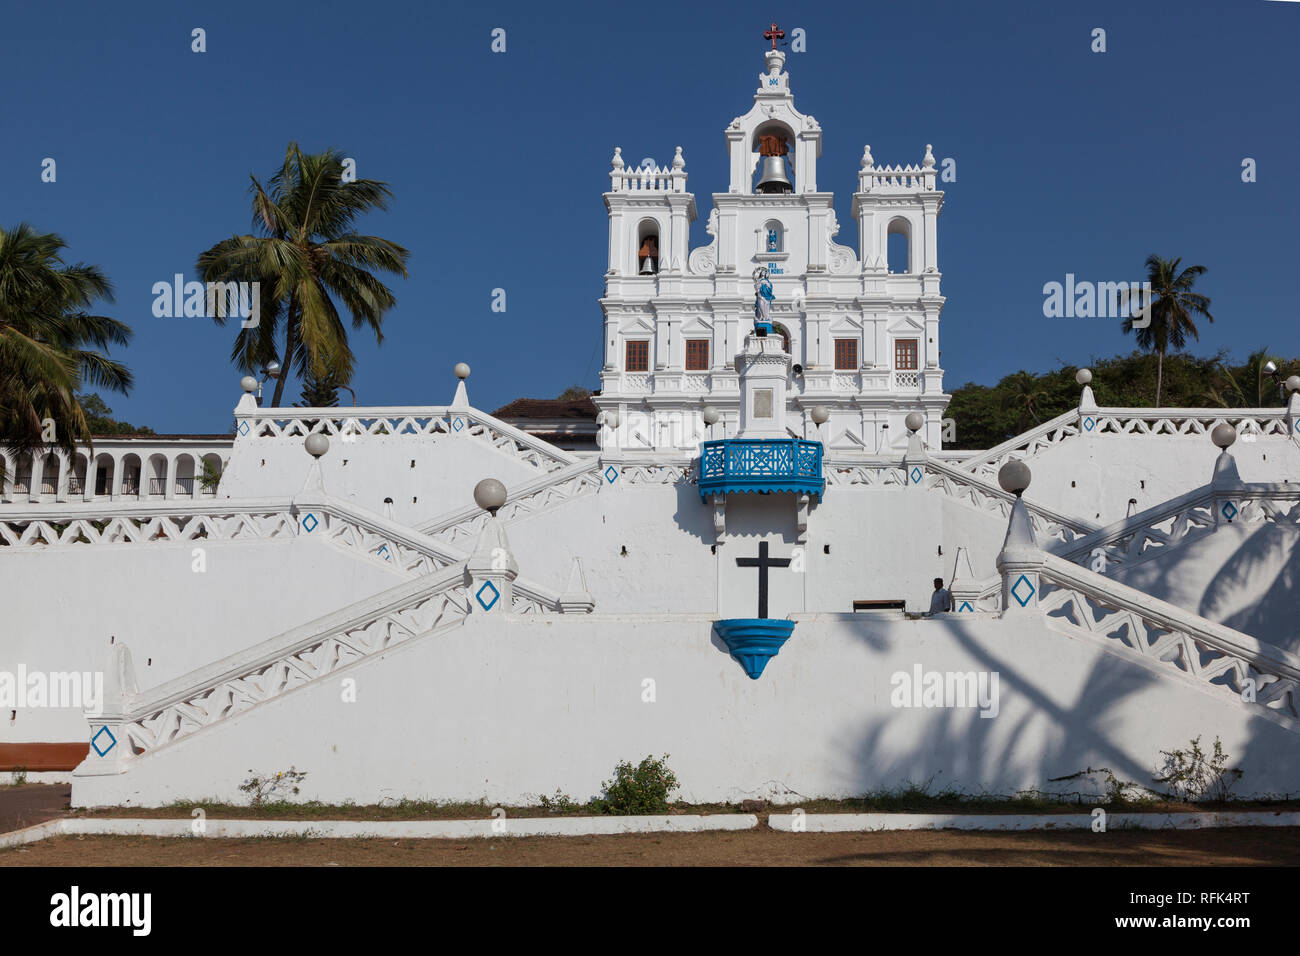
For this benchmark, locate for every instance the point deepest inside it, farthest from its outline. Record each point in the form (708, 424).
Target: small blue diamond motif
(488, 586)
(243, 428)
(1015, 590)
(611, 473)
(1229, 510)
(1088, 423)
(965, 606)
(112, 741)
(384, 551)
(916, 475)
(772, 81)
(457, 425)
(310, 523)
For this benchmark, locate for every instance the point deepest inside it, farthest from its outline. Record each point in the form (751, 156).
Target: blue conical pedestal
(754, 640)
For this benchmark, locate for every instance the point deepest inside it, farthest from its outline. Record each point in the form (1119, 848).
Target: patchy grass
(907, 799)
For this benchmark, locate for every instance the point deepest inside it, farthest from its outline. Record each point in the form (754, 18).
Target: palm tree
(50, 344)
(1236, 396)
(1026, 392)
(304, 254)
(1171, 309)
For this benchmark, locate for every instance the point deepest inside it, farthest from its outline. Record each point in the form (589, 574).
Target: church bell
(774, 179)
(772, 150)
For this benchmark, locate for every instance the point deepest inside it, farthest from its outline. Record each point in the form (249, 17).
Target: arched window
(773, 236)
(77, 479)
(103, 475)
(782, 331)
(647, 248)
(900, 247)
(131, 475)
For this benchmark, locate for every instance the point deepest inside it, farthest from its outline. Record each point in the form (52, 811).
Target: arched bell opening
(647, 247)
(772, 143)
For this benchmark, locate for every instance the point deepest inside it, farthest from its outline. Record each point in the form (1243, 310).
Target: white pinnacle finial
(867, 161)
(617, 161)
(928, 162)
(678, 162)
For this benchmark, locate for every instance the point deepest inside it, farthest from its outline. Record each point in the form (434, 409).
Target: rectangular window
(638, 357)
(905, 355)
(697, 355)
(846, 355)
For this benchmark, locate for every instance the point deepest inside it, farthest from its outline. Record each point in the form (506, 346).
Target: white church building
(428, 602)
(864, 340)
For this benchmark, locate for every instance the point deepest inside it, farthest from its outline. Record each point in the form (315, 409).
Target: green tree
(1245, 387)
(573, 393)
(100, 418)
(1172, 307)
(305, 255)
(50, 343)
(318, 391)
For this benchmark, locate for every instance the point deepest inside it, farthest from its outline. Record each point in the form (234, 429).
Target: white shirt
(940, 601)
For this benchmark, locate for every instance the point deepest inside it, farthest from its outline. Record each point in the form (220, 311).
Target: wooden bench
(879, 606)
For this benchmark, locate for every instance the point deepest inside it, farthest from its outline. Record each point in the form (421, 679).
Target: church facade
(863, 337)
(429, 603)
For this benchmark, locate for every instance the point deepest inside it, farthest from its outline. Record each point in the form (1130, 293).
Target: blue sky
(1067, 161)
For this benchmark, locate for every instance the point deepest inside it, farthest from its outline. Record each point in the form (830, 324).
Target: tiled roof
(581, 408)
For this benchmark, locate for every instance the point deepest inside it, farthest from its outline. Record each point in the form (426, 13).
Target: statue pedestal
(764, 368)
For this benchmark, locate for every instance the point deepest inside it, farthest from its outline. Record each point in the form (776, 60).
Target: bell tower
(853, 333)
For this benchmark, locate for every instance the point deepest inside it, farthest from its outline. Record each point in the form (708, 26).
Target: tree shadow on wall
(1045, 741)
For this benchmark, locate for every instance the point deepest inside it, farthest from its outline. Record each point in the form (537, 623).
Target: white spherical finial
(316, 444)
(490, 494)
(914, 421)
(1293, 383)
(867, 161)
(820, 414)
(461, 370)
(710, 414)
(1083, 376)
(617, 161)
(678, 161)
(928, 161)
(248, 383)
(1223, 435)
(1014, 477)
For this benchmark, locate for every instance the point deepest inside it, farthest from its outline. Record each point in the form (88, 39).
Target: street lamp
(270, 370)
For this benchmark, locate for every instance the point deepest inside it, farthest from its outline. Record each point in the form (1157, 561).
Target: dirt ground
(33, 803)
(1253, 846)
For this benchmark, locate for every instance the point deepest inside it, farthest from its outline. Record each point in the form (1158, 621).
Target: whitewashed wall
(62, 606)
(1108, 470)
(375, 467)
(509, 711)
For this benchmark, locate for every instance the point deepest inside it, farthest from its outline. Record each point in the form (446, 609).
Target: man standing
(941, 599)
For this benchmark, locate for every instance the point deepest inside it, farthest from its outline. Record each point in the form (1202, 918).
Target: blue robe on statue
(763, 307)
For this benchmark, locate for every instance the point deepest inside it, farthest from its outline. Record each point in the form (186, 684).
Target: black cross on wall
(762, 562)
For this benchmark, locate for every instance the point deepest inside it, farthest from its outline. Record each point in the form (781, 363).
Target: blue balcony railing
(761, 465)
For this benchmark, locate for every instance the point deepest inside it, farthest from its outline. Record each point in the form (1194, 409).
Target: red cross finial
(774, 33)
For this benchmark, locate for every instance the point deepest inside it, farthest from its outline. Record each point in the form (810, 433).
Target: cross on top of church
(773, 33)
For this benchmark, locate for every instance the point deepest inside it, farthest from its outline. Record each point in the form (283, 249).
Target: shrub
(642, 789)
(263, 790)
(1192, 775)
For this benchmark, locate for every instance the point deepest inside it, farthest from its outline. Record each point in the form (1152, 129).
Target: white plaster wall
(377, 467)
(1245, 576)
(1108, 470)
(506, 709)
(884, 543)
(62, 606)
